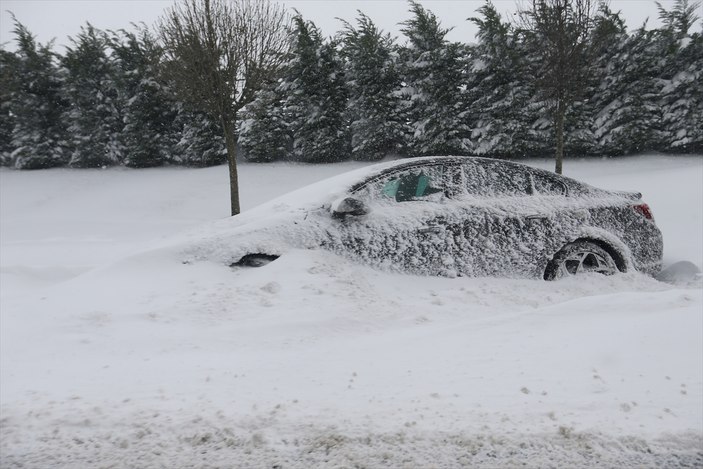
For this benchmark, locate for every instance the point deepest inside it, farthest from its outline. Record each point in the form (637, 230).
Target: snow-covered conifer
(680, 77)
(432, 71)
(34, 102)
(498, 89)
(679, 19)
(605, 90)
(201, 140)
(583, 121)
(9, 84)
(684, 113)
(377, 128)
(627, 117)
(149, 134)
(264, 134)
(316, 97)
(94, 118)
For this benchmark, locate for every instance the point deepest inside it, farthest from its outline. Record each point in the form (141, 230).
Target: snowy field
(115, 354)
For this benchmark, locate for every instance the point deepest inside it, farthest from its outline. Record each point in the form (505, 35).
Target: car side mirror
(348, 206)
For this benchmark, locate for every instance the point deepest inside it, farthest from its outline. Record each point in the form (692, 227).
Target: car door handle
(430, 229)
(536, 217)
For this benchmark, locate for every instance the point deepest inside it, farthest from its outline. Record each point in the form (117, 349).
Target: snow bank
(115, 355)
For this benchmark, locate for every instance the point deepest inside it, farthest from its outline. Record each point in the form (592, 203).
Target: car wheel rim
(586, 261)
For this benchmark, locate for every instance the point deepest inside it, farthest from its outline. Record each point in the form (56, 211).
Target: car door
(410, 224)
(556, 216)
(506, 226)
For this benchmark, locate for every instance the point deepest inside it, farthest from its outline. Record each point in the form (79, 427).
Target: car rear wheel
(580, 257)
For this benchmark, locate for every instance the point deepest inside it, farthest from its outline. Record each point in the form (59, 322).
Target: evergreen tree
(149, 134)
(316, 97)
(681, 73)
(201, 143)
(499, 90)
(680, 18)
(490, 84)
(579, 139)
(433, 75)
(684, 115)
(629, 117)
(377, 128)
(264, 134)
(34, 102)
(607, 38)
(606, 95)
(9, 85)
(95, 119)
(537, 138)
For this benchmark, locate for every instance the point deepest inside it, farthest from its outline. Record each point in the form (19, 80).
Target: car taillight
(644, 210)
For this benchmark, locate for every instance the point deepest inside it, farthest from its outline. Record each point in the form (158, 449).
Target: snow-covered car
(450, 216)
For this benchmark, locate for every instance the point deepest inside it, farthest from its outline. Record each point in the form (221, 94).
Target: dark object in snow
(349, 206)
(254, 260)
(454, 216)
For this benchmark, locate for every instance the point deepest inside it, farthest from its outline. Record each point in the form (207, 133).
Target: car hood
(298, 219)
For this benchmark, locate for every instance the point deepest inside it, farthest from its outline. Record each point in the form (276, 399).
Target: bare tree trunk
(559, 32)
(231, 144)
(559, 123)
(219, 53)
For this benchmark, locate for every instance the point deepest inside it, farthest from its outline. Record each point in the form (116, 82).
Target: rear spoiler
(628, 194)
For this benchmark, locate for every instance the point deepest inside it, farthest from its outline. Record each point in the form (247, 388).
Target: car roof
(382, 169)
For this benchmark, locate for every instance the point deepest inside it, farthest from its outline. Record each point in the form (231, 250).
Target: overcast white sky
(59, 19)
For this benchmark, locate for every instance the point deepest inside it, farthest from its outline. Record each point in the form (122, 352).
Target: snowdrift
(114, 353)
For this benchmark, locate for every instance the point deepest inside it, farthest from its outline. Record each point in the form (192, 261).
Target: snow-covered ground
(115, 354)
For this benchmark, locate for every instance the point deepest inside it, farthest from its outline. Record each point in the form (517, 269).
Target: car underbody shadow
(254, 260)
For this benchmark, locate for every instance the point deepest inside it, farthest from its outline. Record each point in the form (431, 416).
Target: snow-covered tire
(580, 257)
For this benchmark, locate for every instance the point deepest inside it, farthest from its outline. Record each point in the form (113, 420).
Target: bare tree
(219, 53)
(560, 34)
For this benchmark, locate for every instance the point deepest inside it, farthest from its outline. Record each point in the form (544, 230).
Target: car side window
(495, 179)
(420, 183)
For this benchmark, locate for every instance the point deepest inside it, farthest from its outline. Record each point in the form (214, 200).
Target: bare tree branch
(219, 53)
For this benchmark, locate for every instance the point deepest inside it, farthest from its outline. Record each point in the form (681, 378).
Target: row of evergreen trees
(362, 95)
(103, 102)
(356, 95)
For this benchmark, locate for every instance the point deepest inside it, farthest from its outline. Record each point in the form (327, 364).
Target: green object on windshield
(422, 183)
(391, 187)
(409, 187)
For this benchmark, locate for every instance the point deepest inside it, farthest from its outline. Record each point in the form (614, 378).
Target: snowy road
(114, 354)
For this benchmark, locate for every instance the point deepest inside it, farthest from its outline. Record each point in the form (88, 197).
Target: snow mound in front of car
(314, 359)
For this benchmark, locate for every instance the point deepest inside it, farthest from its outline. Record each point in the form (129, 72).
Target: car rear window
(487, 178)
(495, 179)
